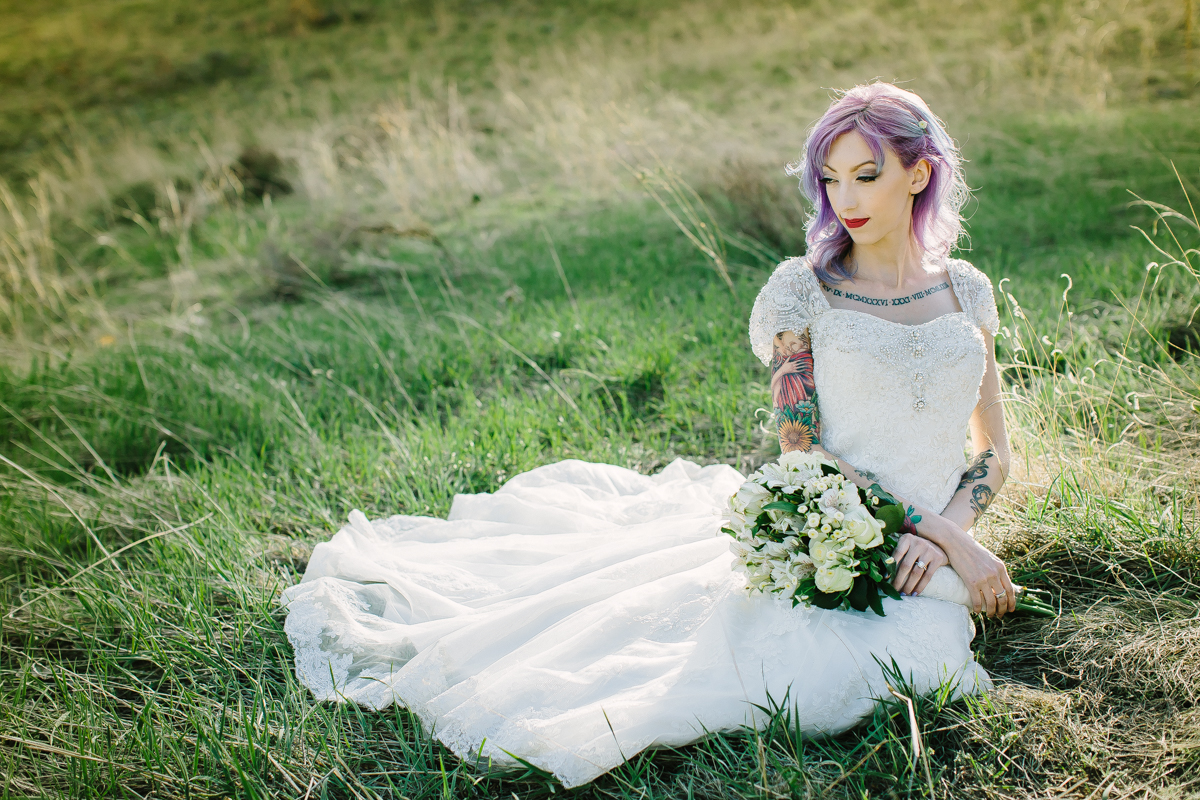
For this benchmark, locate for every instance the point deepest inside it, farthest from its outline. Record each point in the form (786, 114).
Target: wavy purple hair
(889, 118)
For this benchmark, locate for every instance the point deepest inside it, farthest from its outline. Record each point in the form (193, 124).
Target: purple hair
(889, 118)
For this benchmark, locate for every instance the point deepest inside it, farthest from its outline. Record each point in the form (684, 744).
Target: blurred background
(264, 263)
(143, 138)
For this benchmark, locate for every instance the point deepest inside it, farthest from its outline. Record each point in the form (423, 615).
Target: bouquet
(803, 530)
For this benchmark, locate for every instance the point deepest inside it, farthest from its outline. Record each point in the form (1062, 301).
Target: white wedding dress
(585, 612)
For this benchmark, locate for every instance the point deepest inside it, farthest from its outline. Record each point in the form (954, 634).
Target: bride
(585, 612)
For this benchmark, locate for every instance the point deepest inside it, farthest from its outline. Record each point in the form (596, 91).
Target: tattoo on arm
(794, 392)
(977, 470)
(981, 494)
(981, 497)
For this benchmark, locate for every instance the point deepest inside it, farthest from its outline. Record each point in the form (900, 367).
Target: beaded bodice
(894, 399)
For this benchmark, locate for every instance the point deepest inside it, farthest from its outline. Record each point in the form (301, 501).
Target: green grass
(196, 390)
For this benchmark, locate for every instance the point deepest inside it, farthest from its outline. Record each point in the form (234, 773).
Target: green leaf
(883, 496)
(779, 505)
(889, 590)
(826, 599)
(877, 604)
(861, 593)
(892, 518)
(827, 469)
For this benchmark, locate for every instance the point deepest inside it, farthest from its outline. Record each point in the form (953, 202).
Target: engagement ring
(920, 565)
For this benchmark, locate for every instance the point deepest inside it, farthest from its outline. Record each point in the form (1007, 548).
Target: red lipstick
(856, 223)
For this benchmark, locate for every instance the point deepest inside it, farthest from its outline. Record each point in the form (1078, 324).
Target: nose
(844, 200)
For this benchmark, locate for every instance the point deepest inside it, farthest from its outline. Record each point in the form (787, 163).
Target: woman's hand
(916, 561)
(985, 575)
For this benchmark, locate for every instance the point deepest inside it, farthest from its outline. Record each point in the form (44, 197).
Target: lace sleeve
(975, 295)
(788, 302)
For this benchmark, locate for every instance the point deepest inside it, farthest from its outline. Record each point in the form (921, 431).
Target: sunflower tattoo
(794, 392)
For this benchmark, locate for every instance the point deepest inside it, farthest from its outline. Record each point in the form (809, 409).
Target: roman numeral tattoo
(794, 392)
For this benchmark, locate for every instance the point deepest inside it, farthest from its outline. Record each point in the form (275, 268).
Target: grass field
(262, 267)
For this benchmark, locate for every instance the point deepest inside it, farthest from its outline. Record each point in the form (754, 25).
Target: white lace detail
(975, 295)
(790, 300)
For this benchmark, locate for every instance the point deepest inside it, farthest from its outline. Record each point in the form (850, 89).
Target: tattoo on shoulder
(866, 473)
(977, 470)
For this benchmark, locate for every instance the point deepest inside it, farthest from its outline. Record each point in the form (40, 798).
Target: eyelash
(863, 178)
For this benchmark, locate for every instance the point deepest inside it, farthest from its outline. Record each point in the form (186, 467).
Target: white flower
(774, 550)
(802, 564)
(835, 579)
(863, 529)
(736, 521)
(774, 475)
(750, 499)
(807, 463)
(759, 582)
(841, 498)
(793, 482)
(784, 578)
(822, 552)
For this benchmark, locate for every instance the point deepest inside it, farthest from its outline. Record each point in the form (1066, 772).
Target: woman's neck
(889, 263)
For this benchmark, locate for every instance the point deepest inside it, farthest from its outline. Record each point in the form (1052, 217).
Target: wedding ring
(1001, 595)
(920, 565)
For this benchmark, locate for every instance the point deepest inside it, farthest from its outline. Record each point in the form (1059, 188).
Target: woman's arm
(984, 574)
(796, 411)
(986, 473)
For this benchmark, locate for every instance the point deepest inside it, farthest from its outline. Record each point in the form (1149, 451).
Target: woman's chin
(861, 237)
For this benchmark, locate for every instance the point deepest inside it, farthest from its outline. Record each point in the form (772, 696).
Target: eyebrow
(859, 166)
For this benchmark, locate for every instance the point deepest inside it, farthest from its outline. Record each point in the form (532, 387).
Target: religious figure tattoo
(794, 392)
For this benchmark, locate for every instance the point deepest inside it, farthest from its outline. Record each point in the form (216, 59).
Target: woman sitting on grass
(585, 612)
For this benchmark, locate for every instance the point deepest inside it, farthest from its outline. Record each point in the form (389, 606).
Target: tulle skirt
(585, 612)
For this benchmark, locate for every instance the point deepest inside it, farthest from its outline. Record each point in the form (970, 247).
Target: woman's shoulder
(797, 269)
(796, 278)
(788, 301)
(974, 290)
